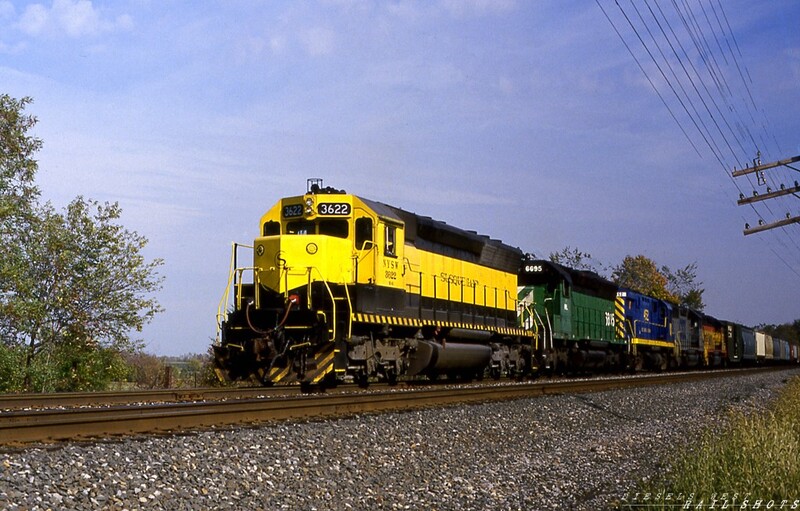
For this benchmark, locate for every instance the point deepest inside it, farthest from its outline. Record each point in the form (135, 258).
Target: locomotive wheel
(330, 381)
(264, 380)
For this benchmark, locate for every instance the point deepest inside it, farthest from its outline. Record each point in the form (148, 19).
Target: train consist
(342, 288)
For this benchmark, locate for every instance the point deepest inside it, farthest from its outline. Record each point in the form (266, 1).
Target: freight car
(739, 342)
(342, 287)
(748, 336)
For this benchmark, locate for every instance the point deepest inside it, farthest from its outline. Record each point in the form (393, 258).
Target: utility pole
(758, 168)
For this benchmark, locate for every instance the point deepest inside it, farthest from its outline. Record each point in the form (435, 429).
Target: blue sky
(525, 120)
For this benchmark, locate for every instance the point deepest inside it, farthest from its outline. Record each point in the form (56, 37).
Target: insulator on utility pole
(766, 166)
(762, 226)
(758, 168)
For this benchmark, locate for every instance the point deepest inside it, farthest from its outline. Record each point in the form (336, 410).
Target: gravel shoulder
(553, 452)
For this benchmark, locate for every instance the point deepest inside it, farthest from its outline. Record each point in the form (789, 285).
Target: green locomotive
(573, 312)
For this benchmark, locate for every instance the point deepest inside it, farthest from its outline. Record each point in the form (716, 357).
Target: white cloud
(34, 19)
(7, 10)
(317, 41)
(405, 10)
(506, 85)
(428, 76)
(12, 49)
(74, 18)
(277, 44)
(77, 18)
(466, 7)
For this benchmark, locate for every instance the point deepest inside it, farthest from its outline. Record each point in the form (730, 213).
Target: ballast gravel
(555, 452)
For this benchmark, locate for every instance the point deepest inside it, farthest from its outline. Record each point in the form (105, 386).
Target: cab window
(363, 232)
(391, 236)
(301, 227)
(271, 228)
(338, 228)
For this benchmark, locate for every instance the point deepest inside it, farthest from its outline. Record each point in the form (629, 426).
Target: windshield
(337, 228)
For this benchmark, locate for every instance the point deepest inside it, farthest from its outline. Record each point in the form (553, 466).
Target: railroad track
(127, 397)
(31, 401)
(20, 427)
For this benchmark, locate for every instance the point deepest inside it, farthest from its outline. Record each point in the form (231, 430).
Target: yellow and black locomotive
(345, 288)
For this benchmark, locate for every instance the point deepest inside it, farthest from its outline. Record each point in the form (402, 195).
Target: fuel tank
(432, 357)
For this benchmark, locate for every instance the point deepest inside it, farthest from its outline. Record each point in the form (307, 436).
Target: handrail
(330, 294)
(636, 323)
(226, 295)
(349, 316)
(633, 334)
(232, 272)
(536, 327)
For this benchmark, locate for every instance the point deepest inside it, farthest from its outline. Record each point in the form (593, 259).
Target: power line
(655, 89)
(727, 115)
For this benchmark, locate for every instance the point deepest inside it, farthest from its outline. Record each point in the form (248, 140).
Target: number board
(333, 208)
(293, 210)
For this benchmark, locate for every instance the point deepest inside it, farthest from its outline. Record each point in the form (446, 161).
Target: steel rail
(74, 399)
(31, 401)
(23, 427)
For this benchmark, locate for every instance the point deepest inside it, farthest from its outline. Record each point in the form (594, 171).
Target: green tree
(18, 195)
(147, 371)
(641, 274)
(76, 366)
(73, 284)
(18, 192)
(684, 285)
(785, 331)
(11, 375)
(694, 299)
(86, 283)
(574, 258)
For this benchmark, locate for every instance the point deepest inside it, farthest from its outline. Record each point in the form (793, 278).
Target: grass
(752, 457)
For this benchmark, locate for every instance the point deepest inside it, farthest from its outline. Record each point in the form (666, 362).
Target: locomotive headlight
(309, 202)
(312, 248)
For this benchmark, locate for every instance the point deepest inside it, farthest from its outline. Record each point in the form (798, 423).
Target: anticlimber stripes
(381, 319)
